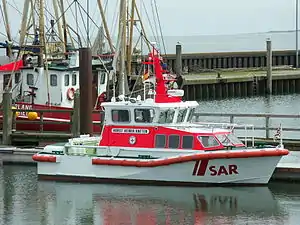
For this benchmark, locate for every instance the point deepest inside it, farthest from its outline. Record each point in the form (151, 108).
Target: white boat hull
(253, 170)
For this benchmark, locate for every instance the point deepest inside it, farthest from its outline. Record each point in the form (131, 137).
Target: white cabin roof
(151, 104)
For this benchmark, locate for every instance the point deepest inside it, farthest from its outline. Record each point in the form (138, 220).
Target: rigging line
(93, 28)
(115, 19)
(62, 14)
(92, 20)
(151, 27)
(159, 24)
(14, 7)
(155, 24)
(84, 25)
(77, 27)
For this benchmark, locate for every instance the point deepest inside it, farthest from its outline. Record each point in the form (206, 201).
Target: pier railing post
(267, 127)
(178, 61)
(7, 118)
(76, 115)
(269, 67)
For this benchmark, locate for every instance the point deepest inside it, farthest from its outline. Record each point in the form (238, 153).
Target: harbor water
(26, 201)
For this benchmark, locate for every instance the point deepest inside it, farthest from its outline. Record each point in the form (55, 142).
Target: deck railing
(287, 122)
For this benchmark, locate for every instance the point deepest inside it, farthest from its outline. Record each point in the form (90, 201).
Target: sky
(195, 17)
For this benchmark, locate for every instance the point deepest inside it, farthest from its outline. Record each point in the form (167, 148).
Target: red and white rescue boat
(154, 141)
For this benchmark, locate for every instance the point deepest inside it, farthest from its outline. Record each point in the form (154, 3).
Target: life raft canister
(70, 93)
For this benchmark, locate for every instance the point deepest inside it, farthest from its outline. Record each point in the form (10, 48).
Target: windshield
(229, 139)
(181, 115)
(166, 116)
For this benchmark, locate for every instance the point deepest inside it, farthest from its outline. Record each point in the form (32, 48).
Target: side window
(160, 141)
(53, 80)
(181, 115)
(102, 77)
(208, 141)
(29, 79)
(187, 142)
(174, 141)
(120, 115)
(67, 80)
(6, 78)
(17, 77)
(74, 79)
(143, 115)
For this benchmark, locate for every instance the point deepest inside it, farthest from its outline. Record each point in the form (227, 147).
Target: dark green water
(26, 201)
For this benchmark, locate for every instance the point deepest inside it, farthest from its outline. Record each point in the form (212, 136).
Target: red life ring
(70, 93)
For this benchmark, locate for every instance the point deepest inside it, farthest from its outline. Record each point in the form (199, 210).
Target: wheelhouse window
(53, 80)
(174, 141)
(181, 115)
(208, 141)
(120, 115)
(160, 141)
(29, 79)
(143, 115)
(187, 142)
(17, 77)
(229, 140)
(74, 79)
(67, 80)
(166, 116)
(191, 114)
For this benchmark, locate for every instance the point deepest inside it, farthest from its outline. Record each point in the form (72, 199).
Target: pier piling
(269, 66)
(7, 118)
(85, 87)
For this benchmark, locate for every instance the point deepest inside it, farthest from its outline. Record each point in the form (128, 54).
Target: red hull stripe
(81, 179)
(188, 158)
(203, 166)
(196, 167)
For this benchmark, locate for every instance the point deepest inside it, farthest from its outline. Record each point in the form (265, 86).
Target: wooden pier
(196, 62)
(239, 83)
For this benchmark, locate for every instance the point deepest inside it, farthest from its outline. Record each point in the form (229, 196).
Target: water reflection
(116, 204)
(26, 201)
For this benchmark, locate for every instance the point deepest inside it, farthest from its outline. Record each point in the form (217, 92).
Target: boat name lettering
(23, 107)
(130, 131)
(200, 169)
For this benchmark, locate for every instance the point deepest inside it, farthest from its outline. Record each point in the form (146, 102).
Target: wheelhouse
(167, 125)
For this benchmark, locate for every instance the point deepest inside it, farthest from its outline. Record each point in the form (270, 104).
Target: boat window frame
(74, 79)
(112, 114)
(53, 80)
(182, 141)
(29, 77)
(165, 140)
(151, 118)
(102, 77)
(209, 135)
(161, 112)
(184, 113)
(67, 81)
(172, 141)
(17, 78)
